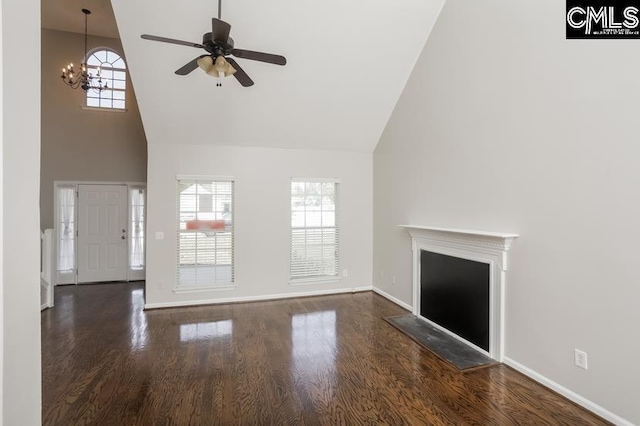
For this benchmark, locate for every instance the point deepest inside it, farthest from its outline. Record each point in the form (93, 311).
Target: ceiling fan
(219, 46)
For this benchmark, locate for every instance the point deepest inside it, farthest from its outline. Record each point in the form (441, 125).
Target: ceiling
(347, 65)
(66, 15)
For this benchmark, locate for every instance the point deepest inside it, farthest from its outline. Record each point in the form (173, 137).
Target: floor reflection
(138, 328)
(313, 338)
(206, 330)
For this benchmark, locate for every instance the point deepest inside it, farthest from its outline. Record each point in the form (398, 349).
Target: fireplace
(458, 283)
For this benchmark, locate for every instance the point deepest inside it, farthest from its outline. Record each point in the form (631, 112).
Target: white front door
(102, 233)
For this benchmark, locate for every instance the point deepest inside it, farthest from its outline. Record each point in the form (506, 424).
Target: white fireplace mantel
(480, 246)
(463, 232)
(495, 242)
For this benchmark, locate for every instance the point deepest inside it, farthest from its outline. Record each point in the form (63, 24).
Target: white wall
(261, 216)
(80, 144)
(506, 126)
(1, 222)
(21, 239)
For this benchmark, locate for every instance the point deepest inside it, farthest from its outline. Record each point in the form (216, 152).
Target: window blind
(314, 230)
(205, 234)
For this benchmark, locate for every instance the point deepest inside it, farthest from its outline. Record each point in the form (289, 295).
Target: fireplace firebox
(454, 293)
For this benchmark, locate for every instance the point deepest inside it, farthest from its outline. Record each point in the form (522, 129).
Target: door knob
(124, 230)
(124, 237)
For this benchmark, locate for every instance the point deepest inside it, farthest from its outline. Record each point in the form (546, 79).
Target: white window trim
(319, 180)
(310, 281)
(72, 278)
(316, 280)
(103, 109)
(206, 177)
(177, 289)
(200, 289)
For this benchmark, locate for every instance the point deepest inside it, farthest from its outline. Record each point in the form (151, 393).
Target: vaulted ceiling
(347, 65)
(66, 15)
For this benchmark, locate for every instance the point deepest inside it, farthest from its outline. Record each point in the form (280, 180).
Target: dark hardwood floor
(315, 361)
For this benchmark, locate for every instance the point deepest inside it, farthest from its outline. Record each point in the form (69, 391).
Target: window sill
(311, 281)
(183, 290)
(88, 108)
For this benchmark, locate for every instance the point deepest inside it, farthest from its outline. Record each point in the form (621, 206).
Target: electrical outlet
(393, 280)
(580, 358)
(345, 273)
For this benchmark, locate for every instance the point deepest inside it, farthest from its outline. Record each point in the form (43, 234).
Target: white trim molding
(393, 299)
(569, 394)
(479, 246)
(255, 298)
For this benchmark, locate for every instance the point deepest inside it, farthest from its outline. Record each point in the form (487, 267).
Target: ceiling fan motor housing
(212, 45)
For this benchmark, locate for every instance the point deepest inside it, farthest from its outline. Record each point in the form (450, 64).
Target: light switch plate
(159, 235)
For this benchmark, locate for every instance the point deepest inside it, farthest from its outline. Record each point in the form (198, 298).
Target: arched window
(113, 72)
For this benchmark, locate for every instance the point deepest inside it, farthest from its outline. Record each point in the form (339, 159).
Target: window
(314, 230)
(205, 233)
(113, 71)
(66, 228)
(136, 251)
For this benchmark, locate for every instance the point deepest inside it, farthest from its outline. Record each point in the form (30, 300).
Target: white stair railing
(47, 269)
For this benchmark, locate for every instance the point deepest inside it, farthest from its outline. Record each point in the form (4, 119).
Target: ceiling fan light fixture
(224, 67)
(205, 63)
(217, 69)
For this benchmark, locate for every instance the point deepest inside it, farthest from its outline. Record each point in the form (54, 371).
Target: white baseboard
(393, 299)
(255, 298)
(569, 394)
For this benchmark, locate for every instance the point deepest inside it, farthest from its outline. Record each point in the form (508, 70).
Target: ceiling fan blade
(259, 56)
(221, 30)
(189, 66)
(240, 75)
(171, 40)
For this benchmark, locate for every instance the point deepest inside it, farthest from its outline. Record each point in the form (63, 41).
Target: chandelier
(83, 78)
